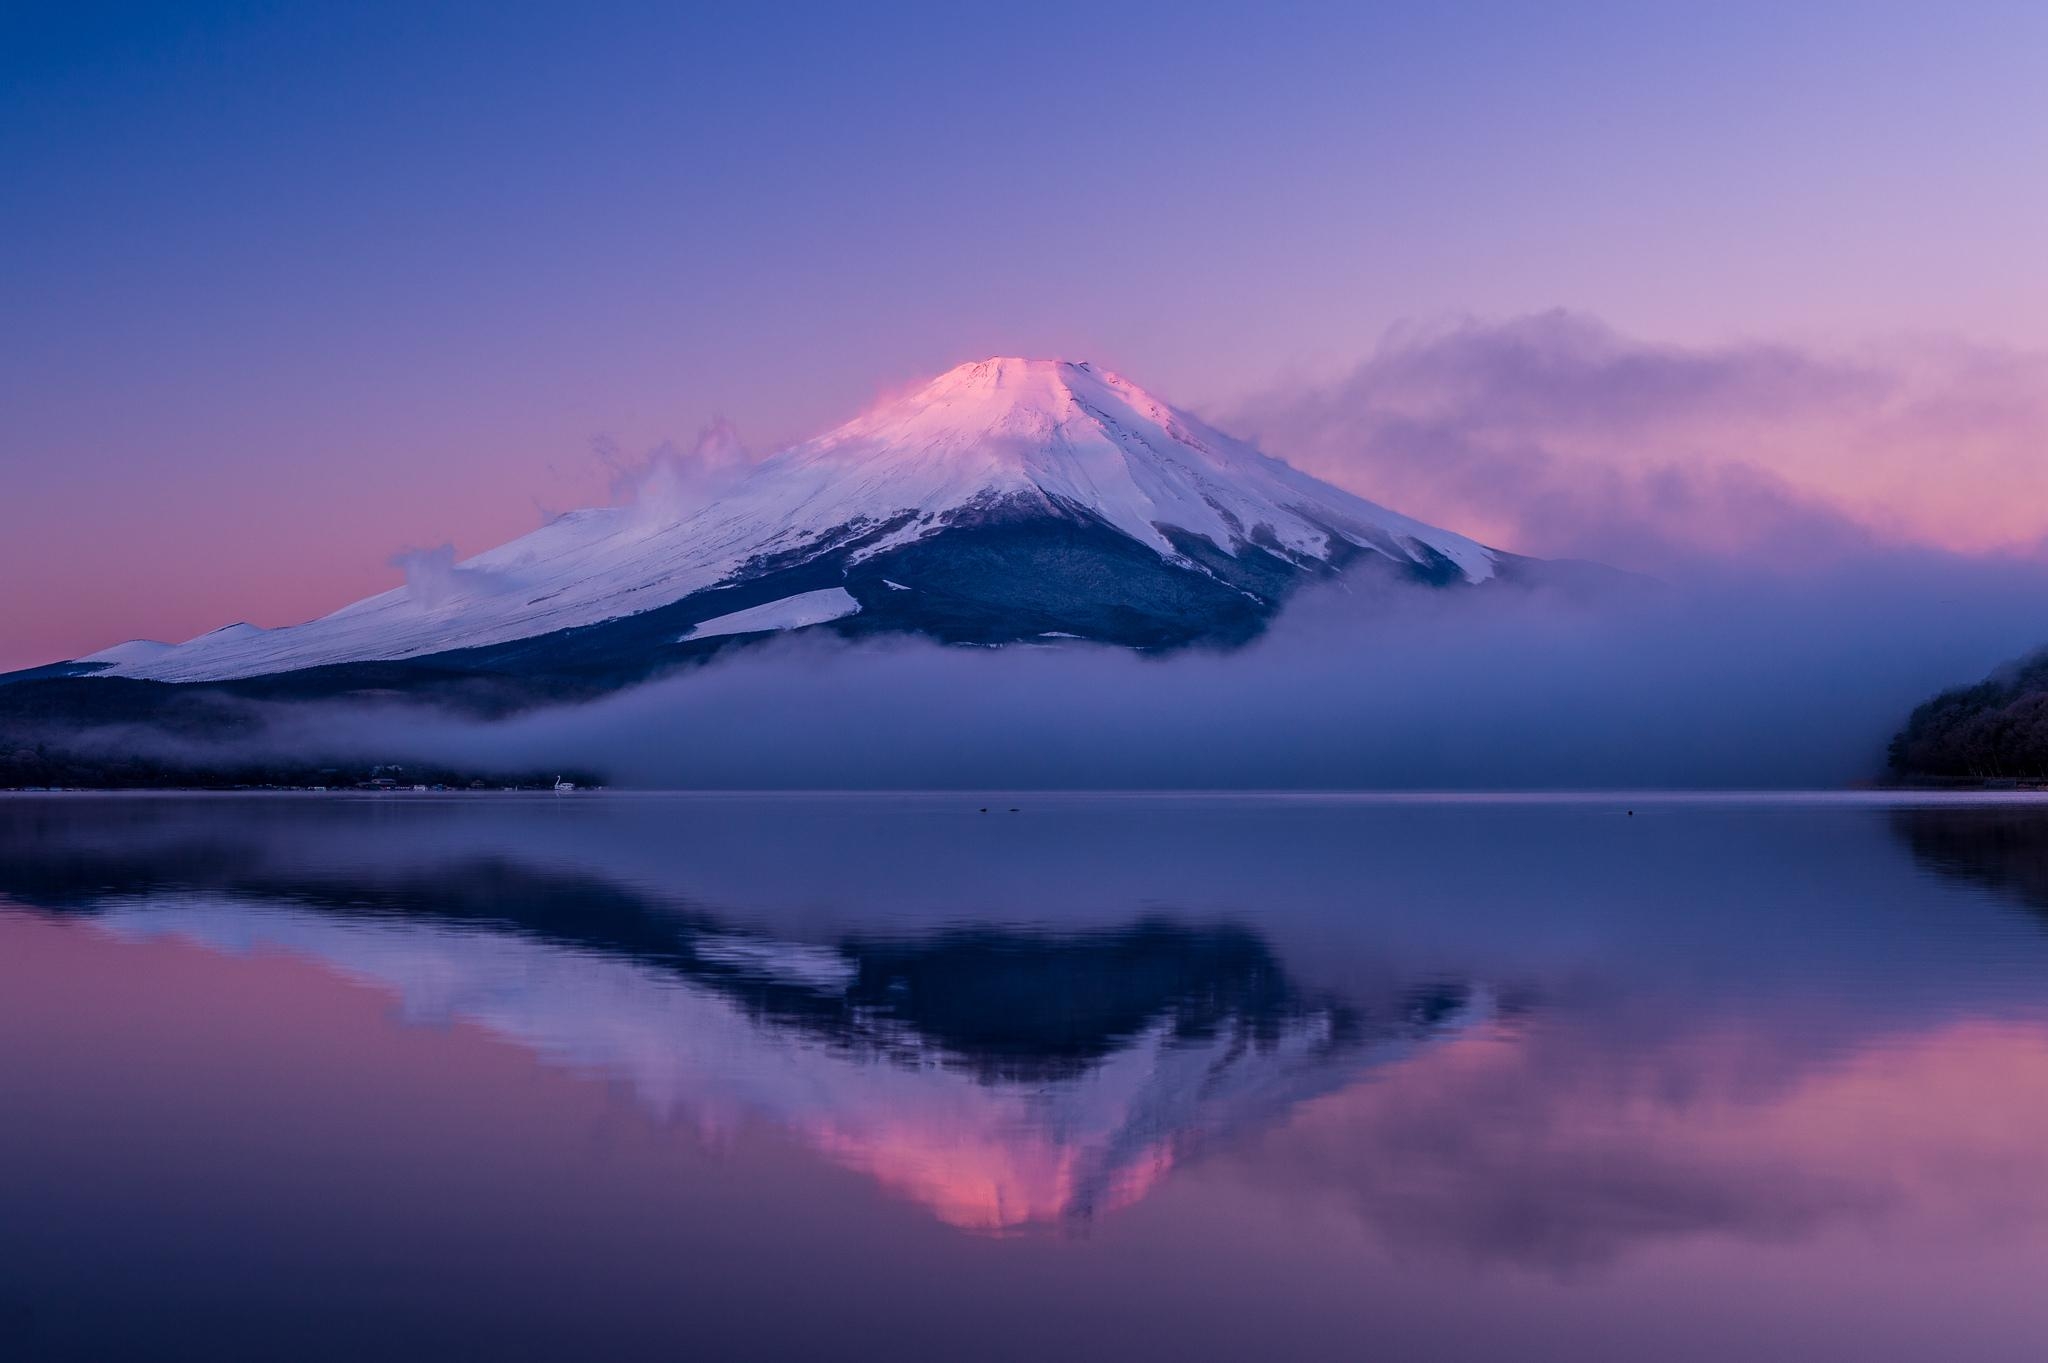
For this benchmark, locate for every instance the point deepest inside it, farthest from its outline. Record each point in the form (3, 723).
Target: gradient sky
(289, 288)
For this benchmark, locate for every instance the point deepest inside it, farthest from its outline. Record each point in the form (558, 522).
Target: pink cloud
(1555, 435)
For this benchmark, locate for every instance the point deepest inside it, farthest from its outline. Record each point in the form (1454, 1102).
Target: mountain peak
(1002, 381)
(1010, 417)
(997, 370)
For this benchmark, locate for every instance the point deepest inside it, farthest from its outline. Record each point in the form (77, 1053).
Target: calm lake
(1106, 1077)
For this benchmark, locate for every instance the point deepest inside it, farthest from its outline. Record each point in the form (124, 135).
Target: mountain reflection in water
(1721, 1078)
(999, 1076)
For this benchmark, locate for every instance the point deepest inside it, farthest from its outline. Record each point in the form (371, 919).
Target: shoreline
(1874, 796)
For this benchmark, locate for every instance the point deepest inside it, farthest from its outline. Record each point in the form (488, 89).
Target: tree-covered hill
(1994, 730)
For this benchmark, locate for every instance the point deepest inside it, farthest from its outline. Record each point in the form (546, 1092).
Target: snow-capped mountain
(1006, 500)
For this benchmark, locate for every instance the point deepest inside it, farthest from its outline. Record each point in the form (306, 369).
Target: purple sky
(291, 289)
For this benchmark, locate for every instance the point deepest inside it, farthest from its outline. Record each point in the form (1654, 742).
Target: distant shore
(32, 772)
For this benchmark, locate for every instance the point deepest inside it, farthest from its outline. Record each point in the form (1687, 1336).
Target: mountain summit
(1064, 438)
(1006, 500)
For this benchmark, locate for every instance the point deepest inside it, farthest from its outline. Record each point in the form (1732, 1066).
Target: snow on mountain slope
(134, 651)
(995, 437)
(791, 612)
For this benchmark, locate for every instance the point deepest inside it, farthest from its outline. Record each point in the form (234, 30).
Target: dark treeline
(1995, 730)
(30, 765)
(121, 734)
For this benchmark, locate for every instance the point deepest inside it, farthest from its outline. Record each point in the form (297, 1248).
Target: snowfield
(791, 612)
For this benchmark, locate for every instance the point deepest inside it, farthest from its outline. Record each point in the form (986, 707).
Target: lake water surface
(1107, 1077)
